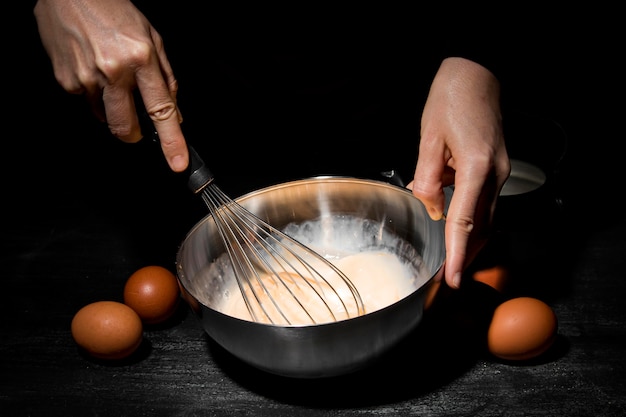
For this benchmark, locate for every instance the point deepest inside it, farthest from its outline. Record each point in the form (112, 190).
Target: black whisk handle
(200, 176)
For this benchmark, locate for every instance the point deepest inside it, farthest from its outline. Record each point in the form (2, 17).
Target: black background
(83, 210)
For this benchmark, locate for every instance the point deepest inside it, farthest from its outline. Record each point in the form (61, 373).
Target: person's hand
(462, 144)
(105, 50)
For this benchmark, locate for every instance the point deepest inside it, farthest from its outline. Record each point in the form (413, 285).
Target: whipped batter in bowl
(362, 225)
(382, 267)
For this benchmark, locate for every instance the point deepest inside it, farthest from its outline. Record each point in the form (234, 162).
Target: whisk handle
(200, 175)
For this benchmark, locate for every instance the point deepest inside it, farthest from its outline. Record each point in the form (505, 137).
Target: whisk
(281, 280)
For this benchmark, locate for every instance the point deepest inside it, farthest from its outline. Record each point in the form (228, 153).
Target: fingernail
(456, 280)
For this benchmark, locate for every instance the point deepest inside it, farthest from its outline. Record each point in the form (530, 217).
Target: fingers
(160, 103)
(108, 69)
(460, 226)
(123, 122)
(470, 214)
(427, 184)
(121, 115)
(477, 182)
(166, 121)
(434, 171)
(162, 107)
(461, 143)
(94, 99)
(158, 87)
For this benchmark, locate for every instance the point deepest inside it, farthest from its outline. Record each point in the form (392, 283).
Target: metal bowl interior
(314, 351)
(524, 178)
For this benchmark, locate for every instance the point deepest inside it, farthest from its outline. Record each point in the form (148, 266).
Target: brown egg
(153, 292)
(496, 277)
(521, 328)
(107, 329)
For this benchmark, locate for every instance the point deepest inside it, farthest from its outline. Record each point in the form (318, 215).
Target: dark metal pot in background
(528, 221)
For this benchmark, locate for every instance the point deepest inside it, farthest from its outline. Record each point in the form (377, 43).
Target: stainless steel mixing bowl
(324, 350)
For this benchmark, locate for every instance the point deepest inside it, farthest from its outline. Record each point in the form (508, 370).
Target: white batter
(362, 251)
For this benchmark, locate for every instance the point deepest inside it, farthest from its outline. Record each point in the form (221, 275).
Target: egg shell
(496, 277)
(153, 292)
(521, 328)
(107, 330)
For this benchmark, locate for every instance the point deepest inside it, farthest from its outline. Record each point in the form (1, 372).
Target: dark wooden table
(81, 212)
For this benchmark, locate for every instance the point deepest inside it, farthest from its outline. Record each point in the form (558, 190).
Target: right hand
(105, 50)
(462, 143)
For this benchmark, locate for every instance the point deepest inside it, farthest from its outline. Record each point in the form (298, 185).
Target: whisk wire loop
(261, 254)
(220, 209)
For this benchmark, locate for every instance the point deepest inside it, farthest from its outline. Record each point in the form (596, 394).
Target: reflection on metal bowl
(524, 178)
(315, 351)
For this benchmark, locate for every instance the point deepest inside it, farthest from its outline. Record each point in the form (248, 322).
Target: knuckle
(76, 83)
(109, 67)
(426, 191)
(71, 86)
(163, 111)
(463, 224)
(135, 55)
(141, 53)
